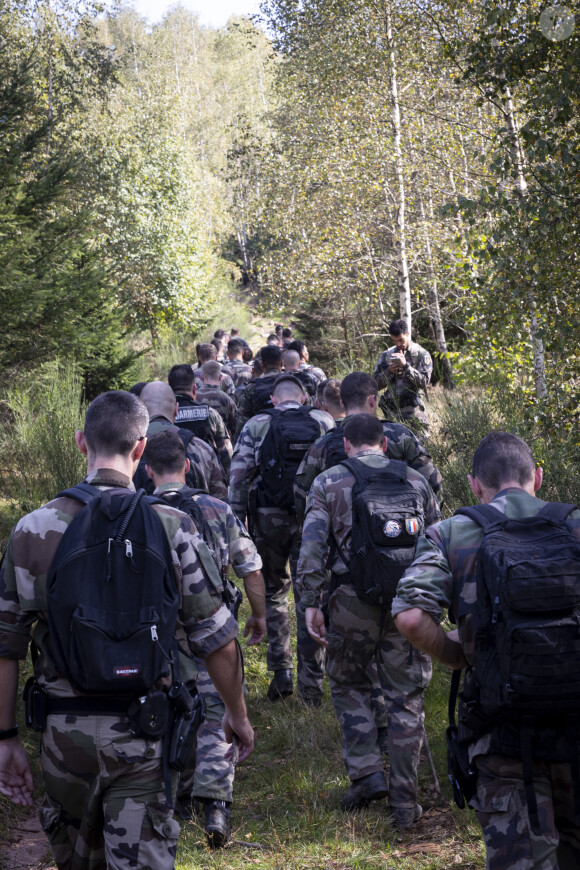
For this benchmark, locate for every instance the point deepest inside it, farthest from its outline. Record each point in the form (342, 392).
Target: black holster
(189, 713)
(35, 705)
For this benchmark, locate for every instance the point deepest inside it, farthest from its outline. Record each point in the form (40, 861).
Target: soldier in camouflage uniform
(105, 802)
(300, 347)
(208, 390)
(211, 780)
(443, 575)
(405, 370)
(239, 371)
(358, 393)
(198, 416)
(277, 536)
(358, 632)
(159, 400)
(206, 353)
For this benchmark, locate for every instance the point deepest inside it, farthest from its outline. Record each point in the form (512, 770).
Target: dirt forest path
(27, 846)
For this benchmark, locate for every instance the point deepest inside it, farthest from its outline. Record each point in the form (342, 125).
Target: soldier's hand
(396, 362)
(240, 726)
(256, 628)
(15, 774)
(315, 625)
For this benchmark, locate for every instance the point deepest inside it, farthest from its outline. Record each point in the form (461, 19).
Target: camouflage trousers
(500, 805)
(357, 633)
(277, 536)
(104, 806)
(213, 775)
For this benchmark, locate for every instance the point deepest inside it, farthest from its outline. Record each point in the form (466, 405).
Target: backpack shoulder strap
(483, 514)
(186, 435)
(82, 492)
(556, 511)
(363, 473)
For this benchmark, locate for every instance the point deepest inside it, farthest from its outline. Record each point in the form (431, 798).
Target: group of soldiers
(253, 450)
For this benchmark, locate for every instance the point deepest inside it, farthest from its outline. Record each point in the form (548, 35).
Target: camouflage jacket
(234, 545)
(415, 376)
(223, 404)
(204, 625)
(245, 476)
(208, 470)
(401, 444)
(329, 515)
(444, 572)
(239, 371)
(316, 372)
(244, 399)
(205, 422)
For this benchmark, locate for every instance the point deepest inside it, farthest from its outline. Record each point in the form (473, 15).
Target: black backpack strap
(363, 473)
(557, 512)
(82, 492)
(483, 514)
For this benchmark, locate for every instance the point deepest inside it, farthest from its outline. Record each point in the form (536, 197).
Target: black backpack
(334, 452)
(262, 388)
(387, 520)
(112, 596)
(141, 479)
(287, 441)
(526, 618)
(184, 501)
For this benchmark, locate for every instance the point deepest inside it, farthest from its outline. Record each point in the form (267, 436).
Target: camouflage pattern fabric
(402, 444)
(211, 430)
(208, 470)
(404, 389)
(359, 633)
(84, 755)
(316, 372)
(356, 636)
(213, 775)
(444, 574)
(501, 808)
(223, 404)
(239, 371)
(95, 764)
(245, 403)
(277, 536)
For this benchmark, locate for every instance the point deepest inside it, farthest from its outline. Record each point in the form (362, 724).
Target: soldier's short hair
(235, 346)
(501, 457)
(165, 452)
(356, 388)
(180, 377)
(137, 388)
(272, 338)
(271, 356)
(212, 370)
(291, 360)
(217, 343)
(298, 345)
(287, 332)
(219, 333)
(398, 327)
(288, 386)
(364, 429)
(114, 422)
(206, 351)
(247, 354)
(331, 392)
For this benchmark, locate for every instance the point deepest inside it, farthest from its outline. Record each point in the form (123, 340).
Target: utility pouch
(150, 715)
(189, 714)
(462, 776)
(35, 704)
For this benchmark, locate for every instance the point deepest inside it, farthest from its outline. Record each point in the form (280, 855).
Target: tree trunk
(400, 244)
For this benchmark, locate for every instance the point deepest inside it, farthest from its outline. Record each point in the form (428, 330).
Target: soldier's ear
(538, 478)
(186, 465)
(476, 486)
(81, 442)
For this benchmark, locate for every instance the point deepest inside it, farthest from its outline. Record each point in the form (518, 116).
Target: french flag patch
(412, 526)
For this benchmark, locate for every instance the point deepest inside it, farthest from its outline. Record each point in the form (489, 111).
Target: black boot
(281, 686)
(364, 790)
(217, 823)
